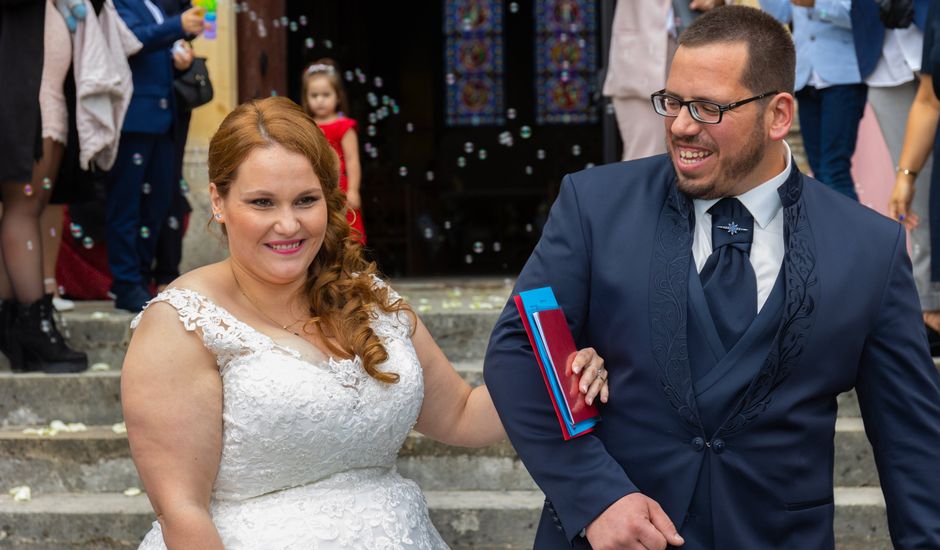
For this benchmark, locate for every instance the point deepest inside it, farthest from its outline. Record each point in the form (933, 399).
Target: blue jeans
(142, 158)
(829, 120)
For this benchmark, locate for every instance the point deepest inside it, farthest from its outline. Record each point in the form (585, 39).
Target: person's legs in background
(841, 112)
(891, 106)
(51, 227)
(139, 191)
(35, 342)
(169, 249)
(809, 106)
(641, 129)
(155, 204)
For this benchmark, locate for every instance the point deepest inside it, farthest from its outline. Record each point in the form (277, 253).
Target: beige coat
(103, 83)
(638, 48)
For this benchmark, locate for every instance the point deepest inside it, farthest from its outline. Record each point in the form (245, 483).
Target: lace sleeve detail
(396, 325)
(222, 334)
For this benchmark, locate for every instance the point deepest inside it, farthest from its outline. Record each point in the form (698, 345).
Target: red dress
(334, 132)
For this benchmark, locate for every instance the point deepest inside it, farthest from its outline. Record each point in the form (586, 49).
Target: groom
(733, 299)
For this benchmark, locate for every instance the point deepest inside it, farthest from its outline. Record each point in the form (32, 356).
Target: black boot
(7, 317)
(37, 343)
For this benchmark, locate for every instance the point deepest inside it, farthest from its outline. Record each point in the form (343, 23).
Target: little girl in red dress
(324, 99)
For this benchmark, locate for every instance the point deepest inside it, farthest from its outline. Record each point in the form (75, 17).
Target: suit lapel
(799, 312)
(672, 257)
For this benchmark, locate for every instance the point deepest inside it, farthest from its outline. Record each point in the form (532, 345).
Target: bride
(266, 396)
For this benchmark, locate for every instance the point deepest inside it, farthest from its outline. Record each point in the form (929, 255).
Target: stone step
(94, 397)
(98, 461)
(460, 324)
(30, 399)
(481, 520)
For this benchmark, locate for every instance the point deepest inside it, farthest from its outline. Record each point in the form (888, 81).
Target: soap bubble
(528, 228)
(88, 242)
(461, 162)
(293, 26)
(377, 82)
(451, 79)
(525, 132)
(284, 20)
(309, 44)
(76, 230)
(576, 150)
(348, 74)
(497, 246)
(429, 175)
(46, 184)
(478, 247)
(540, 154)
(428, 233)
(173, 223)
(409, 127)
(528, 170)
(468, 259)
(514, 7)
(303, 20)
(145, 188)
(370, 130)
(511, 113)
(468, 147)
(403, 171)
(481, 154)
(144, 232)
(137, 159)
(28, 190)
(328, 43)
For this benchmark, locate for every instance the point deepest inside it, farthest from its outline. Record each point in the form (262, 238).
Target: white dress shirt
(767, 248)
(900, 58)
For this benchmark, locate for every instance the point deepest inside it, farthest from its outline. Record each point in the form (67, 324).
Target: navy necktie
(727, 278)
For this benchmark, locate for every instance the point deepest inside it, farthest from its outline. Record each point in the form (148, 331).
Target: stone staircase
(479, 498)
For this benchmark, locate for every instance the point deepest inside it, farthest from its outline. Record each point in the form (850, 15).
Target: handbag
(896, 14)
(193, 87)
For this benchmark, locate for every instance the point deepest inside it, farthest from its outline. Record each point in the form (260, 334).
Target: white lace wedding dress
(309, 443)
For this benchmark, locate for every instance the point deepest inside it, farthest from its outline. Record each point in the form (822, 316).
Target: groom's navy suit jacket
(759, 429)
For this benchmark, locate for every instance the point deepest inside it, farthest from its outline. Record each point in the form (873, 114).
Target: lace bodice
(302, 430)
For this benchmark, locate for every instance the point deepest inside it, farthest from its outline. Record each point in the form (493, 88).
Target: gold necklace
(261, 311)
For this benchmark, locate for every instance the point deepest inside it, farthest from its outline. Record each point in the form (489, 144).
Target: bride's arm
(456, 414)
(171, 393)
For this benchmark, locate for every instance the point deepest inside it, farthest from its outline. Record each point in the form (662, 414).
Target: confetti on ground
(99, 315)
(55, 427)
(131, 492)
(119, 428)
(99, 367)
(21, 494)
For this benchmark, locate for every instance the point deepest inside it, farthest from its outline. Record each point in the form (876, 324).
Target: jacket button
(718, 446)
(698, 444)
(164, 103)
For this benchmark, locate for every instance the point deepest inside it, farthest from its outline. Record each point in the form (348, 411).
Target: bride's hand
(593, 375)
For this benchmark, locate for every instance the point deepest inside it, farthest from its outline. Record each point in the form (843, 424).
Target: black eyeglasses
(706, 112)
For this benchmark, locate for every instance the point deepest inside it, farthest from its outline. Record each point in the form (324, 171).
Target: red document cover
(565, 432)
(561, 348)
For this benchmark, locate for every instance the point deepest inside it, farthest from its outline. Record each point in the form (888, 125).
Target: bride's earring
(218, 217)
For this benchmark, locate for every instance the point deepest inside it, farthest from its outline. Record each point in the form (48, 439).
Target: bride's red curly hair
(341, 289)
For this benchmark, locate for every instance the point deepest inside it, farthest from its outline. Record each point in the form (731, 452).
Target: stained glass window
(473, 56)
(565, 61)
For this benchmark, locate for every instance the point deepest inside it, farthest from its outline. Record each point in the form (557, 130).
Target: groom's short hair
(771, 56)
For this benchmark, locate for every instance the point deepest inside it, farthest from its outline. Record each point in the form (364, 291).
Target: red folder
(565, 432)
(557, 338)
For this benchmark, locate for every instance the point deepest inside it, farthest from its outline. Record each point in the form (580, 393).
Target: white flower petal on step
(100, 367)
(119, 428)
(21, 494)
(131, 492)
(76, 427)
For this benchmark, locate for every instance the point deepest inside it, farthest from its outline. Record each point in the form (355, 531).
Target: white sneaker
(61, 304)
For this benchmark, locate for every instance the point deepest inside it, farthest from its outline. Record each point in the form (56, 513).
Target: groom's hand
(633, 522)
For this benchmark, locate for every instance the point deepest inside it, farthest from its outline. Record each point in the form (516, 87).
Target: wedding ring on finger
(601, 374)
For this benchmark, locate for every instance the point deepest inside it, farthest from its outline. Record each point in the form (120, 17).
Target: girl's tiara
(320, 68)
